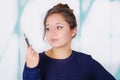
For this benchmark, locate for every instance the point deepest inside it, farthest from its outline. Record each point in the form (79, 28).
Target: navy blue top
(78, 66)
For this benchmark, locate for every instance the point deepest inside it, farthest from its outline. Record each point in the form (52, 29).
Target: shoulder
(81, 55)
(86, 58)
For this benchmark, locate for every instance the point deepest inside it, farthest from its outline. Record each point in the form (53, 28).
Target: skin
(59, 36)
(32, 58)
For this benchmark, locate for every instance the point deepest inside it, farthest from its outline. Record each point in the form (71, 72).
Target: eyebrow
(47, 25)
(59, 23)
(55, 23)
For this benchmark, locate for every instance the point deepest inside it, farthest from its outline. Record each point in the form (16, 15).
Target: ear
(74, 31)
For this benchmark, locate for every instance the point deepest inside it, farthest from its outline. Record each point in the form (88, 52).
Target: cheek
(66, 35)
(47, 36)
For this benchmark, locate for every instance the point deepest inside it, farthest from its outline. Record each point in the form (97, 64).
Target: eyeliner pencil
(26, 39)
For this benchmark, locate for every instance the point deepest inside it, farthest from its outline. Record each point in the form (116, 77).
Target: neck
(59, 53)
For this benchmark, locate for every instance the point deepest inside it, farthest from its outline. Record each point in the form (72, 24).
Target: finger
(32, 54)
(32, 57)
(29, 50)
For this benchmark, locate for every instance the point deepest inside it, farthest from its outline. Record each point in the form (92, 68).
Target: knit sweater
(78, 66)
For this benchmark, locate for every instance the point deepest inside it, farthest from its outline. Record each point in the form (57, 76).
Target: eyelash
(58, 27)
(47, 29)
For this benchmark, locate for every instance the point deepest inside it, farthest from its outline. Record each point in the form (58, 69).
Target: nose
(53, 32)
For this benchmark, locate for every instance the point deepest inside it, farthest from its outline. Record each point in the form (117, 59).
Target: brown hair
(65, 11)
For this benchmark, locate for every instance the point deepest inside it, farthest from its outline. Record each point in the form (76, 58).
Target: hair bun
(63, 7)
(60, 5)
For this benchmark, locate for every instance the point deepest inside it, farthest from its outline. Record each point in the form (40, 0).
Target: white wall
(98, 32)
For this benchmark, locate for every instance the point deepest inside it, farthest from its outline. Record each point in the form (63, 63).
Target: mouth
(54, 40)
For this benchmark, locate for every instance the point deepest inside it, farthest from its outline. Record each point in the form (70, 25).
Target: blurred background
(98, 32)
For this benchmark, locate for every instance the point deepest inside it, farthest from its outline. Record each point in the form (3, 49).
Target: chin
(56, 46)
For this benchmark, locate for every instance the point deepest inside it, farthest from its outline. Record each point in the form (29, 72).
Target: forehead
(56, 18)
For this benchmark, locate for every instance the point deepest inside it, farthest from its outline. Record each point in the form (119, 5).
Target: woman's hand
(32, 58)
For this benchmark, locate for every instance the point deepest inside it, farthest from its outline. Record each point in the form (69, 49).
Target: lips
(54, 40)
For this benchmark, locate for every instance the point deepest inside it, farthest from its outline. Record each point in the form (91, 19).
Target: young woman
(61, 62)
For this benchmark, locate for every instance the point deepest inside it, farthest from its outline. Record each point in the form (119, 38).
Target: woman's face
(58, 31)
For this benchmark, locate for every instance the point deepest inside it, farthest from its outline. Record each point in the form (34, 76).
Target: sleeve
(99, 72)
(31, 73)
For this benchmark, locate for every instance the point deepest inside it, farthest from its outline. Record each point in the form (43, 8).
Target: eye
(47, 29)
(59, 27)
